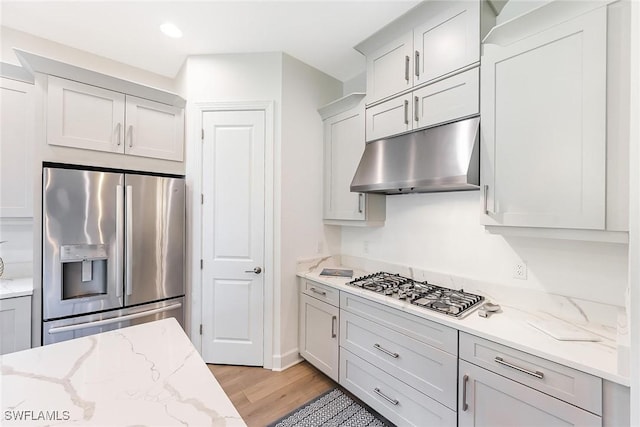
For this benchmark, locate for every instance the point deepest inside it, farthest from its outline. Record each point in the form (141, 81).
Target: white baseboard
(286, 360)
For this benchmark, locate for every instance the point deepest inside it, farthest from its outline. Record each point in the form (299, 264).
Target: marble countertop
(149, 374)
(19, 287)
(510, 327)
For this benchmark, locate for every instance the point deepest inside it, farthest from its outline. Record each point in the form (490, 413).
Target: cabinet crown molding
(341, 104)
(40, 64)
(540, 19)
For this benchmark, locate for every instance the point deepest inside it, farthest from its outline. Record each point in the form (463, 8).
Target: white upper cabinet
(391, 117)
(448, 99)
(343, 147)
(84, 116)
(543, 105)
(16, 148)
(154, 129)
(430, 42)
(448, 42)
(89, 117)
(390, 68)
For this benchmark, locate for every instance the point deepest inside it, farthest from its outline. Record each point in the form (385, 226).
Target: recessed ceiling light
(171, 30)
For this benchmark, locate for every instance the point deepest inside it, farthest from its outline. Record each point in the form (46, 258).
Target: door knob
(256, 270)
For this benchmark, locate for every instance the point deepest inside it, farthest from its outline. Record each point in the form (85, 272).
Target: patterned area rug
(334, 408)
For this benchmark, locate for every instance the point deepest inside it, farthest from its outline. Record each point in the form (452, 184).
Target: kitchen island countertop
(18, 287)
(149, 374)
(508, 327)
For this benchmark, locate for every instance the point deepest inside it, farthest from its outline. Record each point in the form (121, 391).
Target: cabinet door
(389, 69)
(16, 148)
(543, 105)
(84, 116)
(488, 399)
(447, 42)
(15, 324)
(154, 129)
(389, 118)
(318, 335)
(447, 100)
(343, 147)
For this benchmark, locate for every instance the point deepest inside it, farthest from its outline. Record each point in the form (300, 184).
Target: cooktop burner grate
(451, 302)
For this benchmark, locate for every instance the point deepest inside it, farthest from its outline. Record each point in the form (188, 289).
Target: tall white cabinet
(544, 126)
(16, 148)
(344, 143)
(553, 157)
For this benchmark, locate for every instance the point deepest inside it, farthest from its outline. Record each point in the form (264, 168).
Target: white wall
(441, 232)
(297, 90)
(304, 90)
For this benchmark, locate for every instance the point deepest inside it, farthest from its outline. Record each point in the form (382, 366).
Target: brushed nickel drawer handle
(536, 374)
(385, 397)
(417, 64)
(406, 112)
(385, 351)
(315, 291)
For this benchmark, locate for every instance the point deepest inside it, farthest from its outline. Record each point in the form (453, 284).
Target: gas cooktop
(455, 303)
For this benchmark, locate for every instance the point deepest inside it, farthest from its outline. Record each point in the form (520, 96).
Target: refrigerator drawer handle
(85, 325)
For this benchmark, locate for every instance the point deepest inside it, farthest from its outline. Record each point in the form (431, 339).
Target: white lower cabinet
(489, 399)
(318, 334)
(395, 400)
(502, 386)
(15, 324)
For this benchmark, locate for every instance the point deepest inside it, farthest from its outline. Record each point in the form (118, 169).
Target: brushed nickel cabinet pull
(465, 380)
(486, 195)
(385, 351)
(417, 64)
(406, 112)
(536, 374)
(334, 320)
(406, 68)
(130, 136)
(119, 127)
(360, 199)
(315, 291)
(416, 102)
(385, 397)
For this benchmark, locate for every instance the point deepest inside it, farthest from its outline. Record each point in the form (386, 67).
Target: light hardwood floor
(262, 396)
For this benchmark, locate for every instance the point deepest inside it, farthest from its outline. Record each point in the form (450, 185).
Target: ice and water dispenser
(84, 270)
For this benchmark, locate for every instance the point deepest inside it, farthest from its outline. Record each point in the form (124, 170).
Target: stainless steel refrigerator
(112, 250)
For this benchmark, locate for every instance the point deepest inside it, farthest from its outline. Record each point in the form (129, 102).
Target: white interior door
(233, 220)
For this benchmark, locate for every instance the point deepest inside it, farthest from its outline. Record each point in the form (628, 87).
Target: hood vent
(442, 158)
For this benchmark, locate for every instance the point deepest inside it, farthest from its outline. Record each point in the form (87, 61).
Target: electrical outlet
(520, 270)
(365, 246)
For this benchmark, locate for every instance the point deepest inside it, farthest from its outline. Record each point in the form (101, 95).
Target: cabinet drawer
(570, 385)
(432, 333)
(489, 399)
(448, 100)
(393, 399)
(321, 292)
(427, 369)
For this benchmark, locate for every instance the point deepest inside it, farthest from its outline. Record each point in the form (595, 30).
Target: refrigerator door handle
(119, 238)
(129, 241)
(85, 325)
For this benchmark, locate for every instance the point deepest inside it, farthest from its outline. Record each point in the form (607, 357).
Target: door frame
(194, 227)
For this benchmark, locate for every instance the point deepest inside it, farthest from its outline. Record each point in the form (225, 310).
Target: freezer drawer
(66, 329)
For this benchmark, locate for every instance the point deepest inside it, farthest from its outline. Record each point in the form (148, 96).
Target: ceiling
(320, 33)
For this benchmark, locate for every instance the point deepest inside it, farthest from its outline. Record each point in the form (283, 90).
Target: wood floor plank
(262, 396)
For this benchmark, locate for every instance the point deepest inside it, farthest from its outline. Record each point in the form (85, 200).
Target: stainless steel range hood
(442, 158)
